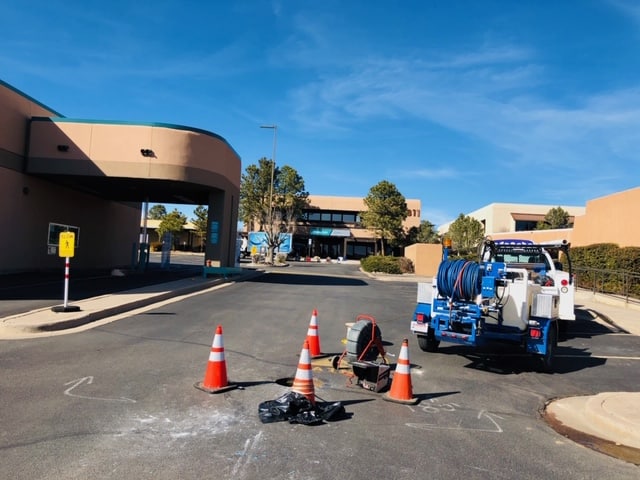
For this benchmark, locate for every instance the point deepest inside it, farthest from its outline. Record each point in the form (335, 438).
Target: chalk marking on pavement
(89, 380)
(244, 456)
(439, 409)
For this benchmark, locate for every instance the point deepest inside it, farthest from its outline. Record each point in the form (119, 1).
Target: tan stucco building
(93, 176)
(513, 217)
(608, 219)
(330, 227)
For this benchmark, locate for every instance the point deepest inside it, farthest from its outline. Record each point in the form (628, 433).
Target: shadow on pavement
(23, 292)
(306, 279)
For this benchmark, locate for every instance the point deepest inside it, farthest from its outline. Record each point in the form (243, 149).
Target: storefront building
(330, 227)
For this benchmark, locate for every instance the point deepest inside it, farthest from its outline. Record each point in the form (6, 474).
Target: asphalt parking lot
(128, 384)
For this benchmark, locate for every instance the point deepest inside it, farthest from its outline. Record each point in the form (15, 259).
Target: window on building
(332, 216)
(525, 225)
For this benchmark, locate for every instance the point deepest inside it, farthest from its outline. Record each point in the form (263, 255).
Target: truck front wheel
(428, 342)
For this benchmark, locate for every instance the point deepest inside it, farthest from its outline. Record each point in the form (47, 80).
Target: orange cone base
(227, 387)
(408, 401)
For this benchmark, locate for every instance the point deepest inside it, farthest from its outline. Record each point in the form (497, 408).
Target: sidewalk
(45, 322)
(609, 417)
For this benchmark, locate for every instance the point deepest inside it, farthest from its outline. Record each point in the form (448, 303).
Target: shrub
(392, 265)
(406, 265)
(611, 268)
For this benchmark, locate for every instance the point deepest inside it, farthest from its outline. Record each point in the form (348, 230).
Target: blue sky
(460, 104)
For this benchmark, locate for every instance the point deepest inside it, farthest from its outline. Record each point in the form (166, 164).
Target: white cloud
(426, 173)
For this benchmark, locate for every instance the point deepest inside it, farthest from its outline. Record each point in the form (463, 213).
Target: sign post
(66, 247)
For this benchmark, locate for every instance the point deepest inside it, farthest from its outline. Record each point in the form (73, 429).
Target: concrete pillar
(222, 229)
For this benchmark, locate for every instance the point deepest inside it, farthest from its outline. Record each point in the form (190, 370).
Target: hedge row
(608, 268)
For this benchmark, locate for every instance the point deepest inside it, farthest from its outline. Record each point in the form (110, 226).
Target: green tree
(255, 191)
(290, 197)
(273, 208)
(200, 222)
(465, 233)
(386, 210)
(172, 222)
(425, 233)
(157, 212)
(555, 218)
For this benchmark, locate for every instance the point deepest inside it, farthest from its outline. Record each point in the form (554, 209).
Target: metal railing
(618, 283)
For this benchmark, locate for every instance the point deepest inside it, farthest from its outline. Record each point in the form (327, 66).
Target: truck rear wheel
(428, 342)
(552, 341)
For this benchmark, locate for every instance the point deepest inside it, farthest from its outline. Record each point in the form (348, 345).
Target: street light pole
(273, 166)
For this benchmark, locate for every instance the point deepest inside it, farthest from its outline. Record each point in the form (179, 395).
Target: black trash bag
(331, 411)
(296, 408)
(308, 417)
(284, 407)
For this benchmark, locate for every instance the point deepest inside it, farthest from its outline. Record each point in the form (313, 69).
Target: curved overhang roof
(137, 162)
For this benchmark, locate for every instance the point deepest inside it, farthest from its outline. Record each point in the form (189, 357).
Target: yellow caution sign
(66, 244)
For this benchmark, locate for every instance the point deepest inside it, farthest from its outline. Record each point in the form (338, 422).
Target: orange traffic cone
(401, 390)
(215, 378)
(303, 381)
(312, 335)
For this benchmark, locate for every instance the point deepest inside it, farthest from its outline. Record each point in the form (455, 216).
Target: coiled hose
(459, 279)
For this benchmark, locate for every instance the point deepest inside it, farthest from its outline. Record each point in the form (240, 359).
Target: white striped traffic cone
(401, 390)
(303, 381)
(312, 335)
(215, 377)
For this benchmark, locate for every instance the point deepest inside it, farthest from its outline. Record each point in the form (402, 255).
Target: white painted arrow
(89, 380)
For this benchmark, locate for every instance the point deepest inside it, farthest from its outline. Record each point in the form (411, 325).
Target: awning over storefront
(329, 232)
(534, 217)
(528, 217)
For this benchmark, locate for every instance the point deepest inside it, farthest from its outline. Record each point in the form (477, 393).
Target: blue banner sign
(259, 241)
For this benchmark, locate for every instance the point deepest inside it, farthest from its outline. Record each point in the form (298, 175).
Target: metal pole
(66, 283)
(273, 166)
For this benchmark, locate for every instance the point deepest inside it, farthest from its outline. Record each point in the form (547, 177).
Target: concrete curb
(118, 309)
(594, 415)
(99, 308)
(617, 413)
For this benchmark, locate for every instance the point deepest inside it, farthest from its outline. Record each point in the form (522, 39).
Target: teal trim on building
(31, 99)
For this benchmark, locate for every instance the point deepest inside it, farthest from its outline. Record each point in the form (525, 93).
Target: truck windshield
(521, 257)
